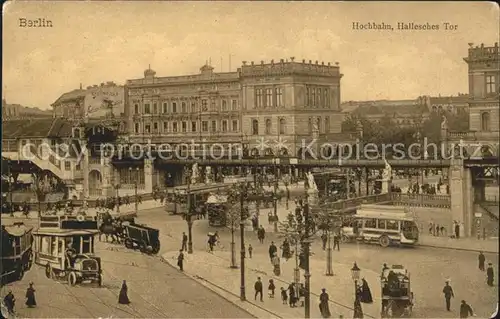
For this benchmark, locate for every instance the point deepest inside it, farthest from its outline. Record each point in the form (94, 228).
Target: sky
(94, 42)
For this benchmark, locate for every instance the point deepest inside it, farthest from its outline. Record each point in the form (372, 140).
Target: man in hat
(465, 310)
(448, 293)
(489, 275)
(10, 301)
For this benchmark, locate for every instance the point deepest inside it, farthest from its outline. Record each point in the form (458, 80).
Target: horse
(110, 227)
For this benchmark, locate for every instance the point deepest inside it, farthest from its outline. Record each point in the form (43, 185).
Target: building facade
(19, 112)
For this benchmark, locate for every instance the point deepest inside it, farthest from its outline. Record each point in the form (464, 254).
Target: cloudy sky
(91, 43)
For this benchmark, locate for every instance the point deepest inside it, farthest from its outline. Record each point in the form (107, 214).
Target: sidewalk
(469, 243)
(214, 268)
(145, 205)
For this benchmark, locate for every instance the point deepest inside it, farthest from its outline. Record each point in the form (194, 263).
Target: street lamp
(355, 273)
(188, 212)
(276, 162)
(135, 188)
(117, 188)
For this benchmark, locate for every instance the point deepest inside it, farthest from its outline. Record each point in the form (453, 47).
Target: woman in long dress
(366, 294)
(30, 296)
(123, 297)
(324, 308)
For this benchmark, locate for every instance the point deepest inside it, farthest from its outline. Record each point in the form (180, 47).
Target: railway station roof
(36, 128)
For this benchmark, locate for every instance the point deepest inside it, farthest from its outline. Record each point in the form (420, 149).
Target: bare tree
(41, 186)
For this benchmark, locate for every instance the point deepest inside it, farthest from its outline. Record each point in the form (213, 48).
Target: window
(269, 97)
(165, 107)
(148, 129)
(136, 108)
(235, 125)
(325, 98)
(327, 124)
(155, 108)
(193, 126)
(193, 107)
(136, 128)
(204, 126)
(174, 107)
(224, 105)
(313, 97)
(155, 127)
(268, 126)
(147, 109)
(370, 223)
(279, 96)
(485, 121)
(204, 105)
(392, 225)
(214, 126)
(184, 126)
(255, 127)
(67, 165)
(234, 105)
(174, 127)
(165, 126)
(213, 107)
(282, 126)
(183, 107)
(224, 126)
(86, 246)
(259, 102)
(318, 97)
(381, 224)
(490, 84)
(308, 96)
(78, 167)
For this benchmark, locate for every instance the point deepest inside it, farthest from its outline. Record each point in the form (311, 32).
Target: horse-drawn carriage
(397, 297)
(111, 224)
(141, 237)
(64, 245)
(17, 255)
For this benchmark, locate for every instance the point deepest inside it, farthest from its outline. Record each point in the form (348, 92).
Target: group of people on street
(489, 271)
(436, 229)
(9, 300)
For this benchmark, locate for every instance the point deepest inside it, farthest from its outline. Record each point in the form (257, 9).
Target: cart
(397, 297)
(141, 237)
(64, 245)
(17, 255)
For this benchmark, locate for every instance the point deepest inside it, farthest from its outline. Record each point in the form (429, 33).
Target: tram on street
(217, 209)
(17, 255)
(382, 224)
(397, 297)
(64, 245)
(333, 183)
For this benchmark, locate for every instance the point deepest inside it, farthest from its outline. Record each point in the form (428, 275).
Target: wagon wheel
(72, 279)
(143, 247)
(129, 244)
(156, 248)
(384, 241)
(49, 273)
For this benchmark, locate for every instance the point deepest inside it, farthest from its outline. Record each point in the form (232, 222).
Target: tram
(397, 297)
(17, 256)
(64, 245)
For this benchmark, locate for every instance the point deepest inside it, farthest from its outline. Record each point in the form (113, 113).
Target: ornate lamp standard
(135, 187)
(355, 273)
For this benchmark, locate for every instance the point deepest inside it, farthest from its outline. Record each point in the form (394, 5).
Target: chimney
(292, 58)
(316, 62)
(282, 60)
(303, 60)
(322, 63)
(328, 63)
(244, 62)
(262, 62)
(81, 86)
(251, 63)
(310, 61)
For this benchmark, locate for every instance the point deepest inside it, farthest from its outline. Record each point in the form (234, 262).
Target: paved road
(156, 290)
(429, 267)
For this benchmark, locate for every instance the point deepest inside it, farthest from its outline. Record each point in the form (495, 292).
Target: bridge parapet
(421, 200)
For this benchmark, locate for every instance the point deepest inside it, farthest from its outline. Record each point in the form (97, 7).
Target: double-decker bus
(385, 225)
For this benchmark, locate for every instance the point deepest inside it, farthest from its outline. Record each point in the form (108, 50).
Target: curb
(217, 290)
(458, 248)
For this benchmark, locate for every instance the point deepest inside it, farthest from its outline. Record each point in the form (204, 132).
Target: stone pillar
(461, 192)
(148, 175)
(107, 177)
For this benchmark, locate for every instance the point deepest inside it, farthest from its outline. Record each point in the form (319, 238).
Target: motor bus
(385, 225)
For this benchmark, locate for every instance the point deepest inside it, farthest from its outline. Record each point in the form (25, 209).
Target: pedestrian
(443, 231)
(272, 250)
(180, 260)
(457, 230)
(10, 302)
(30, 296)
(284, 296)
(324, 308)
(336, 241)
(324, 239)
(293, 297)
(366, 294)
(481, 259)
(258, 289)
(184, 242)
(489, 275)
(437, 230)
(448, 294)
(271, 288)
(431, 227)
(250, 250)
(123, 296)
(465, 310)
(276, 265)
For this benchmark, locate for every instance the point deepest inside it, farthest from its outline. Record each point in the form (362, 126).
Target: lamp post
(307, 274)
(355, 273)
(117, 188)
(242, 238)
(329, 262)
(275, 194)
(135, 188)
(188, 213)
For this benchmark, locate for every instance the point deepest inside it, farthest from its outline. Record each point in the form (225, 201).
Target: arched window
(255, 127)
(485, 121)
(268, 126)
(282, 126)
